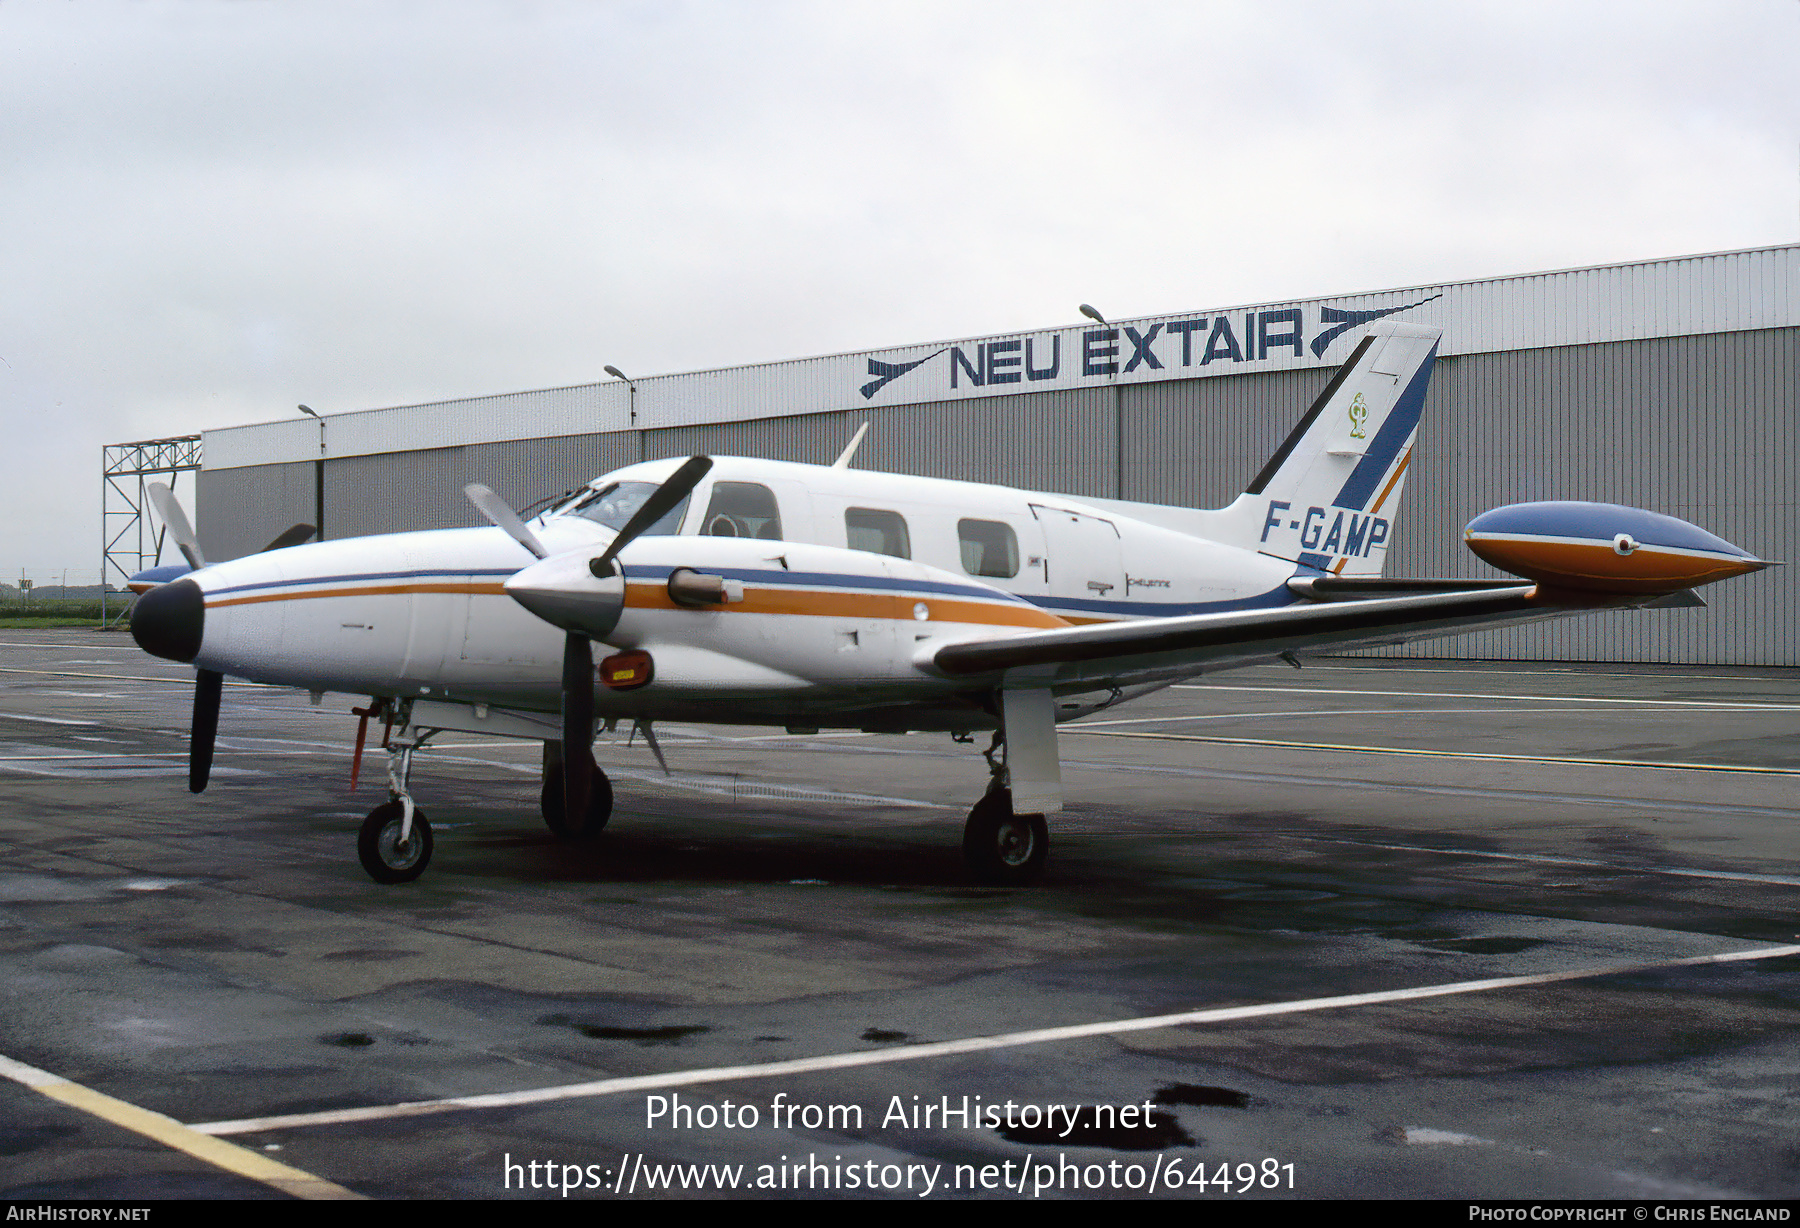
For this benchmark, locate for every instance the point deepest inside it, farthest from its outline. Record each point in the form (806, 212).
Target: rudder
(1328, 497)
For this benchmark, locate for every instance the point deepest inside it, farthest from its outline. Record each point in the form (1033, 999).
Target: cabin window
(742, 509)
(877, 531)
(615, 504)
(989, 548)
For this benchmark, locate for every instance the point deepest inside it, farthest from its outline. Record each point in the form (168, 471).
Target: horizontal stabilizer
(1363, 588)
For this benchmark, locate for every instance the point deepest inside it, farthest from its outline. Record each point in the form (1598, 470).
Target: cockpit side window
(877, 531)
(989, 548)
(614, 504)
(742, 509)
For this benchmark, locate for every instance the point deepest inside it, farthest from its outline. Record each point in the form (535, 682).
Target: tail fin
(1328, 498)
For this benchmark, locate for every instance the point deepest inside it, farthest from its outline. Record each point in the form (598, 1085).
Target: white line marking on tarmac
(53, 645)
(945, 1048)
(44, 720)
(171, 1133)
(1569, 699)
(1339, 783)
(1776, 880)
(1414, 752)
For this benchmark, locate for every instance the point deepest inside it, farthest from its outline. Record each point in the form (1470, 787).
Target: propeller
(177, 523)
(208, 686)
(661, 502)
(500, 512)
(585, 597)
(577, 728)
(293, 535)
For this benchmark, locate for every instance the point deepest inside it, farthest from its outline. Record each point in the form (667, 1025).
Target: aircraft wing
(1152, 649)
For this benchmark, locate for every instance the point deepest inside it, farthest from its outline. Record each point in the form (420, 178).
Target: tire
(600, 804)
(379, 848)
(1004, 848)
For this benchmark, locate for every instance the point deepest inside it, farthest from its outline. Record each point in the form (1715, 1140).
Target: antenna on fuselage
(843, 460)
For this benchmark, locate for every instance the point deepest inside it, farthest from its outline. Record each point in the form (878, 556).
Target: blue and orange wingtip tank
(150, 577)
(1603, 547)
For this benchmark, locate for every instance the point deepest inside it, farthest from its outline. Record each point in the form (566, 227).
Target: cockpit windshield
(617, 502)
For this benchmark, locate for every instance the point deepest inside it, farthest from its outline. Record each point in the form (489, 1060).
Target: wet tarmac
(783, 932)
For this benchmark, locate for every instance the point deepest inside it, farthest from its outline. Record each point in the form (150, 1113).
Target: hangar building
(1668, 384)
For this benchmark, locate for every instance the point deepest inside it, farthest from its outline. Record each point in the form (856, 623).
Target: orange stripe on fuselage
(834, 603)
(374, 590)
(828, 603)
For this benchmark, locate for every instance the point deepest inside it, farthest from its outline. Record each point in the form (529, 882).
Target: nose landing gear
(392, 848)
(394, 844)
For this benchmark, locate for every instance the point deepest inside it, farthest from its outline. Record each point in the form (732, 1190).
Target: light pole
(1118, 404)
(630, 403)
(318, 476)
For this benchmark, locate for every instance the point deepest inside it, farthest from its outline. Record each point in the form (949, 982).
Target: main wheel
(600, 804)
(1002, 847)
(379, 847)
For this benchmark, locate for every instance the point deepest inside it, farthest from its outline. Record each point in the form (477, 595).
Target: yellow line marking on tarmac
(944, 1048)
(171, 1133)
(1437, 754)
(68, 673)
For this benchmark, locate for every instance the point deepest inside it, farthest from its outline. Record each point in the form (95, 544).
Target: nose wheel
(394, 844)
(393, 850)
(1003, 848)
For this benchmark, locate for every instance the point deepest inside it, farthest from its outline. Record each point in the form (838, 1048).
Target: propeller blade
(680, 484)
(177, 523)
(577, 728)
(291, 536)
(500, 512)
(208, 686)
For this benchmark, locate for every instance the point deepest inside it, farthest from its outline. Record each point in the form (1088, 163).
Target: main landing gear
(600, 799)
(999, 846)
(394, 844)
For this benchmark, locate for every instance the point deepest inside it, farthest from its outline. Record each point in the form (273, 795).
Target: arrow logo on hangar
(1347, 320)
(890, 371)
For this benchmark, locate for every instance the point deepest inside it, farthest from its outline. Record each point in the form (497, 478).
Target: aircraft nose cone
(168, 620)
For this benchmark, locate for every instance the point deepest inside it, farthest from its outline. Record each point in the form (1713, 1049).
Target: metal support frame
(130, 540)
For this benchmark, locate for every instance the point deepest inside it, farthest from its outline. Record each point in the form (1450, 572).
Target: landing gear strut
(600, 799)
(394, 844)
(1001, 847)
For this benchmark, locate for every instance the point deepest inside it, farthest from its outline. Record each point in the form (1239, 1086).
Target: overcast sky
(213, 211)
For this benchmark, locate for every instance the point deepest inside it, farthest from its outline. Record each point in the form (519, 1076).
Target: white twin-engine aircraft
(736, 591)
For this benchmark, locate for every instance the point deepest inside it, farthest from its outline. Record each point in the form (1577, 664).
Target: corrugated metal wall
(1063, 441)
(1705, 428)
(239, 511)
(1702, 427)
(1200, 442)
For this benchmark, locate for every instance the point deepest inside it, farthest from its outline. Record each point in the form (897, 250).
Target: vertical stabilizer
(1329, 497)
